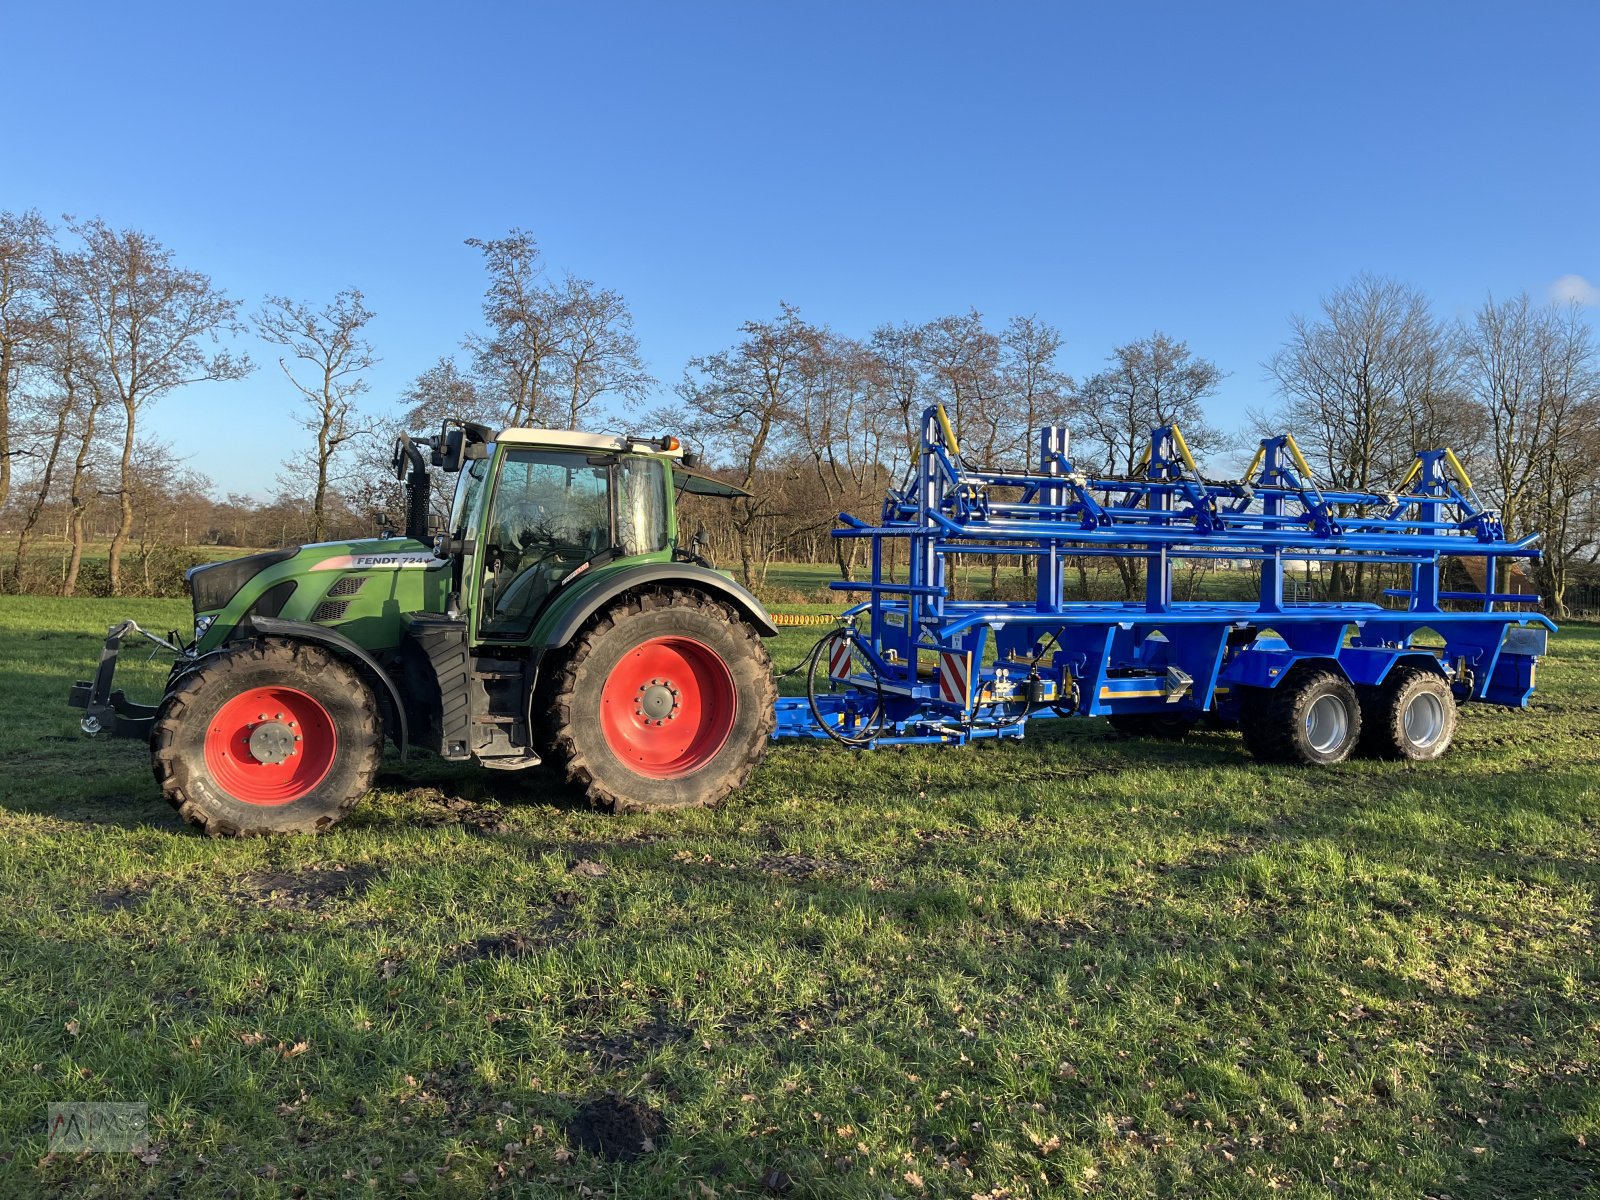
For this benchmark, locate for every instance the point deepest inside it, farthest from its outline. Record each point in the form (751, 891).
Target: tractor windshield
(551, 514)
(470, 492)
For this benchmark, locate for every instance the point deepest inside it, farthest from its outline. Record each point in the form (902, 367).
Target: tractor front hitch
(107, 711)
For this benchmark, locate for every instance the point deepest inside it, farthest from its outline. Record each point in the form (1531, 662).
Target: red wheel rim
(668, 707)
(270, 745)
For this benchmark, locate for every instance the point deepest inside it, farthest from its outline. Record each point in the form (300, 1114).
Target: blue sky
(1201, 169)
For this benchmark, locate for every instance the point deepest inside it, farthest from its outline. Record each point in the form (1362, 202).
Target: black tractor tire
(1410, 716)
(1312, 718)
(682, 645)
(200, 751)
(1171, 727)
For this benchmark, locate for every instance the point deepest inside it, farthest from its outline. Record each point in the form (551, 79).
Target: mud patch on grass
(551, 930)
(308, 890)
(443, 809)
(616, 1128)
(117, 899)
(628, 1047)
(797, 866)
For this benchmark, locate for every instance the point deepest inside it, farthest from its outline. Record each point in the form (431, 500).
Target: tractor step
(508, 763)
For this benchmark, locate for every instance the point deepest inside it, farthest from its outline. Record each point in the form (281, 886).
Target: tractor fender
(306, 632)
(569, 619)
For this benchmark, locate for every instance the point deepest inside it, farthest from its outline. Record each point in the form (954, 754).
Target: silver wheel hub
(658, 701)
(1423, 720)
(271, 742)
(1327, 724)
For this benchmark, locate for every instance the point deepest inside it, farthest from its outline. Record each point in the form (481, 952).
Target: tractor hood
(363, 586)
(370, 554)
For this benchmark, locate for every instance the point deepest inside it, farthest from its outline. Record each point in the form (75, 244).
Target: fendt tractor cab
(558, 617)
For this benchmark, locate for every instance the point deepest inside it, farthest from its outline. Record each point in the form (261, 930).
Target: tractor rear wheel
(1312, 717)
(666, 701)
(1411, 715)
(267, 737)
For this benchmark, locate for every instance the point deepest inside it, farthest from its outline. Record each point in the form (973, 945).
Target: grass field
(1075, 964)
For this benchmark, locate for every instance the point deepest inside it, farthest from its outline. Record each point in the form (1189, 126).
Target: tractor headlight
(213, 585)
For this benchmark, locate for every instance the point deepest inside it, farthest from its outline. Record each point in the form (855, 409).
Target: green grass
(1074, 964)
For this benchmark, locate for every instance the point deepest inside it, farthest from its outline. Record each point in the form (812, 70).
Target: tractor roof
(617, 443)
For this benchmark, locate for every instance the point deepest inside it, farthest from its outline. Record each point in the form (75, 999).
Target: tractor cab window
(551, 514)
(642, 507)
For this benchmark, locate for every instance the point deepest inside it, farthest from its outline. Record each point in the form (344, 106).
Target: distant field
(1077, 964)
(46, 567)
(790, 581)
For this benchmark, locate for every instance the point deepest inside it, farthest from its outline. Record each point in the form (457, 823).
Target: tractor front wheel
(666, 701)
(267, 737)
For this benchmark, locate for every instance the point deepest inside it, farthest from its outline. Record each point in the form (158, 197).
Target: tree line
(98, 324)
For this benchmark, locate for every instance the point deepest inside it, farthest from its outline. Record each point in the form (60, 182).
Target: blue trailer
(1307, 682)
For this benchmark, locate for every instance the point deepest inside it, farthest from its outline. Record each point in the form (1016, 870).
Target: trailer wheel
(1313, 717)
(666, 701)
(268, 737)
(1412, 715)
(1172, 727)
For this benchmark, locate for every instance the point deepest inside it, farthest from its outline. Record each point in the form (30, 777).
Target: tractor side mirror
(450, 454)
(407, 456)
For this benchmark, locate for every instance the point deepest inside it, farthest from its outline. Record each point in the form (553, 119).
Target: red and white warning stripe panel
(955, 677)
(841, 663)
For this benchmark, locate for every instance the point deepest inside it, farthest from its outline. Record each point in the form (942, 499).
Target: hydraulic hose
(874, 725)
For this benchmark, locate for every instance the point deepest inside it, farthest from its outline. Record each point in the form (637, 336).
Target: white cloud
(1574, 289)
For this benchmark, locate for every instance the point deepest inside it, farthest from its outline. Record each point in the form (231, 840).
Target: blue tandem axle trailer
(1303, 682)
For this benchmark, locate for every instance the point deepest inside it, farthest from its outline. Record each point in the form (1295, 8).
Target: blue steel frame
(924, 668)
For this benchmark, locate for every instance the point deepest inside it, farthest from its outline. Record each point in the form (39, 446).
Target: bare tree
(896, 349)
(1375, 362)
(1375, 378)
(331, 344)
(845, 426)
(960, 360)
(26, 243)
(65, 406)
(1036, 392)
(1535, 373)
(150, 321)
(1151, 382)
(443, 393)
(519, 359)
(1506, 346)
(738, 404)
(82, 375)
(598, 350)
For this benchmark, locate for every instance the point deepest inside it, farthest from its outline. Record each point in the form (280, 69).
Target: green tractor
(557, 619)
